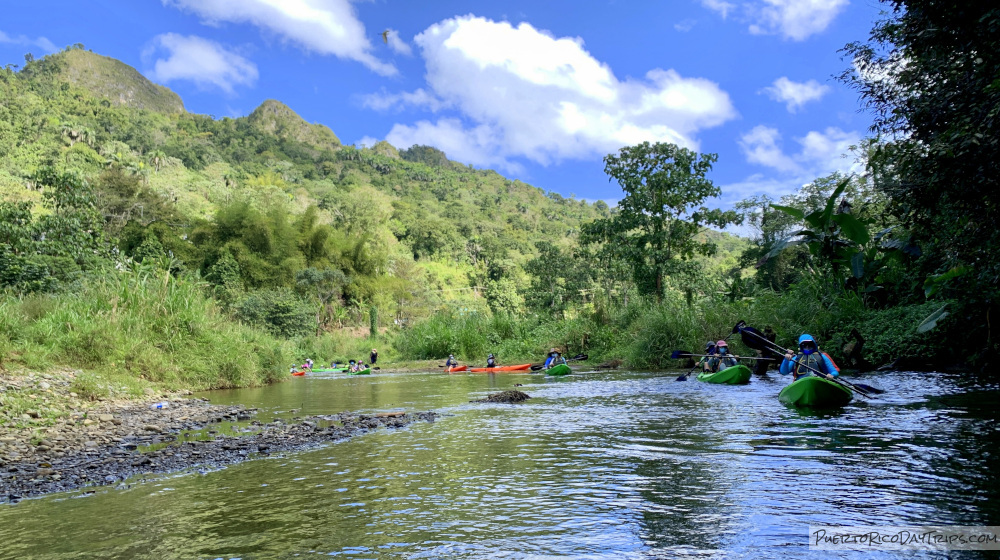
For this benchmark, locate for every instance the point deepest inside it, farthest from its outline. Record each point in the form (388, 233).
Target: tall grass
(132, 330)
(644, 332)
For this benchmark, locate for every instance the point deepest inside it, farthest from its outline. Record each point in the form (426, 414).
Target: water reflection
(606, 465)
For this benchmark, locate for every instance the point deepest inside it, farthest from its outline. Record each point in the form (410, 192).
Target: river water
(595, 465)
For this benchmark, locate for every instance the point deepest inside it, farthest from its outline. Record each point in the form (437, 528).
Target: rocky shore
(114, 442)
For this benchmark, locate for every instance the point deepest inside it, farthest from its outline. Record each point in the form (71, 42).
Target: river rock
(152, 428)
(105, 417)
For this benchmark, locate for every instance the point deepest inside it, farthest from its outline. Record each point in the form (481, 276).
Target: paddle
(684, 376)
(536, 367)
(758, 341)
(681, 354)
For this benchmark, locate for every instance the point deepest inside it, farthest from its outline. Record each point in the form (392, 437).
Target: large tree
(930, 72)
(655, 224)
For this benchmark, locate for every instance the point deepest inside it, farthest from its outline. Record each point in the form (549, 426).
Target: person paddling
(809, 356)
(721, 359)
(491, 361)
(554, 358)
(451, 362)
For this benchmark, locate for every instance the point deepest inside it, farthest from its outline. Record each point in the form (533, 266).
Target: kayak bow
(815, 392)
(735, 375)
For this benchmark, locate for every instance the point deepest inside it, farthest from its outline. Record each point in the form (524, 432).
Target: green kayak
(559, 369)
(362, 372)
(329, 370)
(735, 375)
(815, 392)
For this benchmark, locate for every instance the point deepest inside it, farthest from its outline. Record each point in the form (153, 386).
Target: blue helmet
(807, 338)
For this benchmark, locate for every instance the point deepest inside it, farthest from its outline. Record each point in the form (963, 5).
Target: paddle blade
(739, 326)
(683, 376)
(536, 367)
(869, 388)
(756, 340)
(679, 354)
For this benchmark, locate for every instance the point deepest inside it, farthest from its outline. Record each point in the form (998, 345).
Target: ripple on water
(605, 465)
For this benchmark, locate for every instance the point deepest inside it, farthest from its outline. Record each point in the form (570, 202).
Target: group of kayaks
(810, 391)
(560, 369)
(347, 370)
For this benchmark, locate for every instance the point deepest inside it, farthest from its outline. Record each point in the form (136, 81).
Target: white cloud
(529, 94)
(792, 19)
(40, 42)
(329, 27)
(204, 62)
(396, 43)
(723, 8)
(366, 142)
(419, 98)
(685, 25)
(795, 94)
(821, 153)
(760, 146)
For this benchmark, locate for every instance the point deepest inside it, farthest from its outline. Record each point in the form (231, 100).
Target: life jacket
(491, 362)
(814, 360)
(719, 362)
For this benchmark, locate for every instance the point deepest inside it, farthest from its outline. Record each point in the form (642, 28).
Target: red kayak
(298, 373)
(455, 369)
(521, 367)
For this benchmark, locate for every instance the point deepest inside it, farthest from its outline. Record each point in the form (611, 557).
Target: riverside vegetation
(150, 249)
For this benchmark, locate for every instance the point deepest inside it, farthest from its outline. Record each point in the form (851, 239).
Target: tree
(656, 222)
(929, 74)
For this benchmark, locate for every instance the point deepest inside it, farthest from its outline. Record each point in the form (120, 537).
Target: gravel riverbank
(115, 442)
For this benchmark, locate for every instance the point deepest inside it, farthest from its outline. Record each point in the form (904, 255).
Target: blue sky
(540, 91)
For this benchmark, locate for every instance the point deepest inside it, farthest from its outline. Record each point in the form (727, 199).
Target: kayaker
(809, 355)
(452, 362)
(554, 358)
(309, 363)
(721, 359)
(373, 357)
(491, 361)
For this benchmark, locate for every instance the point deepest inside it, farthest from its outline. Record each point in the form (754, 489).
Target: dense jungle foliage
(112, 193)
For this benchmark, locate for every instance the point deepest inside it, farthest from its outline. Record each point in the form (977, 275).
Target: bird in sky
(385, 36)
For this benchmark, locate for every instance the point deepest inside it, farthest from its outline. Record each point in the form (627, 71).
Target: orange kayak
(521, 367)
(455, 369)
(298, 373)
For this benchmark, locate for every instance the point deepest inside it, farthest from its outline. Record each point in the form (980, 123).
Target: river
(595, 465)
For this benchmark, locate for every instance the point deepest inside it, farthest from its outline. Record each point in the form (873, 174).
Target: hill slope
(115, 81)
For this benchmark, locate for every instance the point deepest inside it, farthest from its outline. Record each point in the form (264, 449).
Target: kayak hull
(456, 369)
(298, 373)
(558, 369)
(362, 372)
(815, 392)
(501, 369)
(735, 375)
(328, 370)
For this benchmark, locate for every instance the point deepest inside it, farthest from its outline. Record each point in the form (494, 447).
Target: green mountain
(115, 81)
(271, 202)
(274, 117)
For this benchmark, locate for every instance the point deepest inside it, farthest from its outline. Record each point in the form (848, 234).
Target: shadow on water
(602, 465)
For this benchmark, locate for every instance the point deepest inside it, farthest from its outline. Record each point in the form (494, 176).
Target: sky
(539, 91)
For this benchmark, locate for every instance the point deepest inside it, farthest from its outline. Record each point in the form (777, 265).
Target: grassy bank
(127, 332)
(643, 333)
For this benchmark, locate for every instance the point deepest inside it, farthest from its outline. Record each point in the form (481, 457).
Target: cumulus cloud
(204, 62)
(760, 146)
(529, 94)
(419, 98)
(795, 94)
(792, 19)
(40, 42)
(366, 142)
(820, 153)
(329, 27)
